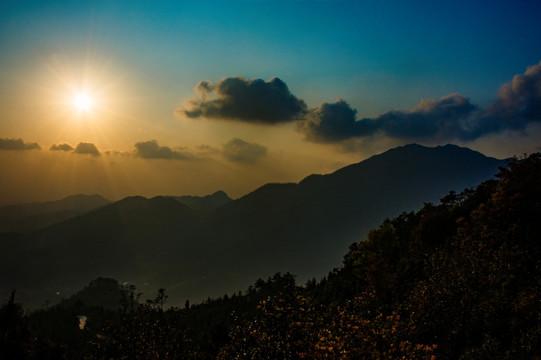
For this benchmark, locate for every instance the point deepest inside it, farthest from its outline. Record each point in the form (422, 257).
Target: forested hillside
(207, 246)
(456, 280)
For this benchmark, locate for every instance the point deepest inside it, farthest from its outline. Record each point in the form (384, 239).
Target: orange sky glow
(176, 99)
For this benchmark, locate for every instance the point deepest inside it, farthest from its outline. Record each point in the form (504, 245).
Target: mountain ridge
(206, 203)
(302, 228)
(32, 216)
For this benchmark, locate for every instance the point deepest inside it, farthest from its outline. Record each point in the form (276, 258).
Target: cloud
(329, 122)
(17, 144)
(444, 118)
(452, 117)
(61, 147)
(238, 150)
(151, 150)
(518, 104)
(237, 98)
(207, 150)
(118, 153)
(86, 148)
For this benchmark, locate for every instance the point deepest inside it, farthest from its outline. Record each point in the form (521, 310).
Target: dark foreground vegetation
(457, 280)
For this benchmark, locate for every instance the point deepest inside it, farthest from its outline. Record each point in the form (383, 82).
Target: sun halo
(83, 102)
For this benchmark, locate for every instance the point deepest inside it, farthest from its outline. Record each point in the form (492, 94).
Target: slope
(306, 227)
(302, 228)
(133, 239)
(33, 216)
(206, 203)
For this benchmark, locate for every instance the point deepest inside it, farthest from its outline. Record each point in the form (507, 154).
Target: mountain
(207, 203)
(302, 228)
(128, 239)
(305, 228)
(33, 216)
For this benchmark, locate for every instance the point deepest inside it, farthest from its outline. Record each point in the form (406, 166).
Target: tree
(14, 332)
(160, 299)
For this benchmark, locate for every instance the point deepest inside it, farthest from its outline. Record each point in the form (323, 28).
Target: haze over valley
(265, 179)
(198, 247)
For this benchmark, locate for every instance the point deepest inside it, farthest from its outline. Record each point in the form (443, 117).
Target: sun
(83, 102)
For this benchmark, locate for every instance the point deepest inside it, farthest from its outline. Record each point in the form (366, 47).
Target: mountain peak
(36, 215)
(302, 228)
(207, 203)
(401, 158)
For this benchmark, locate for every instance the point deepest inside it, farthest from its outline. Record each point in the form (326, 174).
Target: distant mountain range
(25, 218)
(198, 247)
(205, 203)
(33, 216)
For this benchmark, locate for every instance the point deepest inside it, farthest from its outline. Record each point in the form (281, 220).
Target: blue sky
(349, 49)
(381, 57)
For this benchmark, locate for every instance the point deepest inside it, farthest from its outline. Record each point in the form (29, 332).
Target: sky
(152, 98)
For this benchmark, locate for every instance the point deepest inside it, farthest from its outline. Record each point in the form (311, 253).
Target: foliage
(143, 333)
(13, 330)
(456, 280)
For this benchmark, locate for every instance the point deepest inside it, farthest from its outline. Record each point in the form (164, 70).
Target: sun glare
(83, 102)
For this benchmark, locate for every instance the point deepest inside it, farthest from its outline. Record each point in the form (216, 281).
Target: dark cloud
(151, 150)
(237, 98)
(86, 148)
(17, 144)
(452, 117)
(239, 150)
(445, 118)
(329, 122)
(518, 104)
(61, 147)
(118, 153)
(207, 150)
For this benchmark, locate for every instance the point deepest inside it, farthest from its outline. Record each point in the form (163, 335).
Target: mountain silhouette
(207, 203)
(204, 251)
(305, 228)
(123, 238)
(33, 216)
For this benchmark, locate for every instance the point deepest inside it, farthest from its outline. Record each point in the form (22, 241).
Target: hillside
(129, 239)
(34, 216)
(459, 279)
(302, 228)
(307, 227)
(206, 203)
